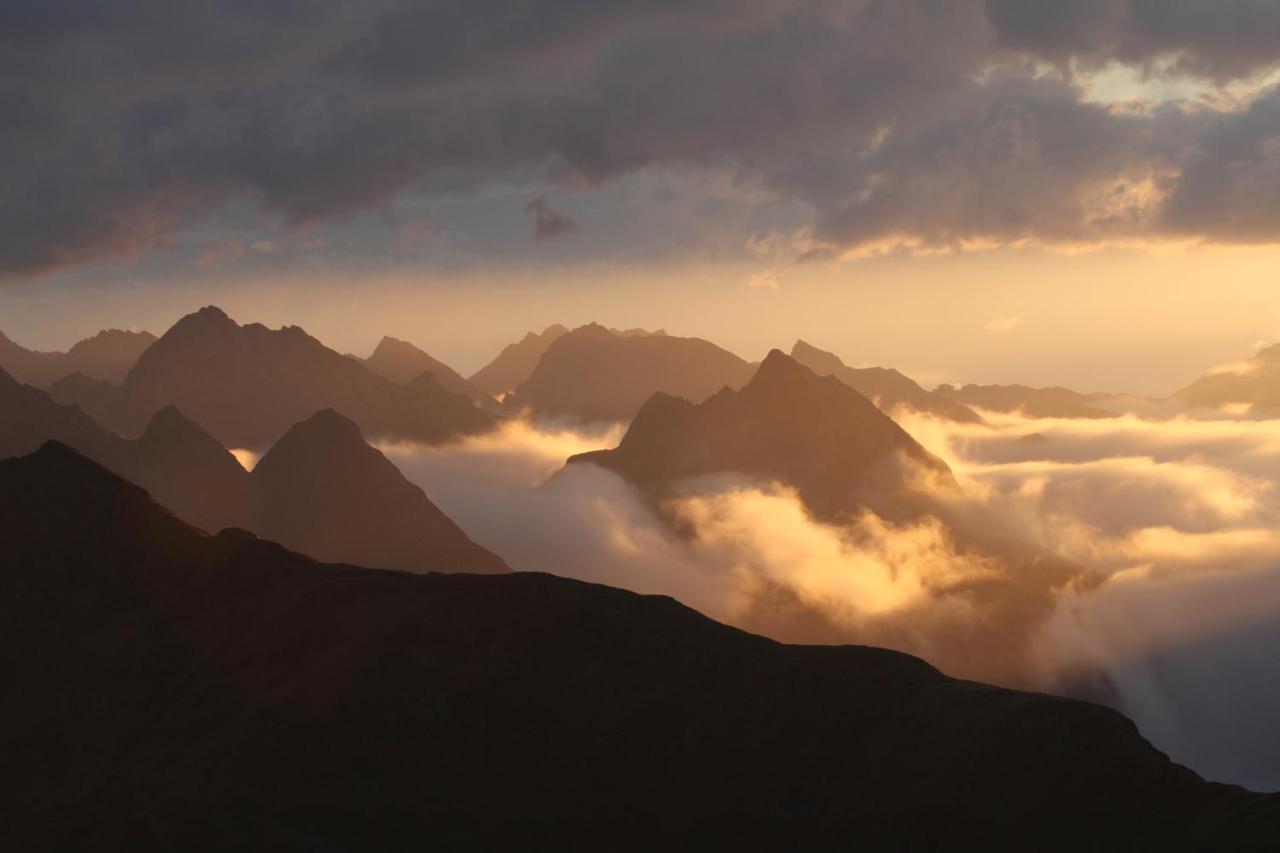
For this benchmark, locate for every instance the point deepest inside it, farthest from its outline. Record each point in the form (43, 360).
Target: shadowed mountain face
(247, 385)
(321, 489)
(107, 355)
(597, 374)
(1254, 384)
(887, 388)
(1032, 402)
(323, 470)
(402, 362)
(206, 693)
(516, 362)
(787, 424)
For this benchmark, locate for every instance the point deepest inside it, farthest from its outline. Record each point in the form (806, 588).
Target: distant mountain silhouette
(597, 374)
(402, 362)
(246, 385)
(325, 492)
(107, 355)
(1253, 385)
(787, 424)
(1032, 402)
(887, 388)
(172, 690)
(321, 489)
(516, 362)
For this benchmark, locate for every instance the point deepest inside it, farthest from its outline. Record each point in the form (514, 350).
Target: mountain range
(885, 387)
(107, 355)
(787, 424)
(202, 692)
(321, 489)
(516, 362)
(599, 374)
(246, 385)
(1031, 402)
(402, 362)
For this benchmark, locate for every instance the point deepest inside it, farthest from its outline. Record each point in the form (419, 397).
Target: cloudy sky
(1009, 190)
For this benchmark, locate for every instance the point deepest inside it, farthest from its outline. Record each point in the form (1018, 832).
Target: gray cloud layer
(894, 122)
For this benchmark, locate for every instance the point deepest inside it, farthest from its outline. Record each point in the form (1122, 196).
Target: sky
(1084, 194)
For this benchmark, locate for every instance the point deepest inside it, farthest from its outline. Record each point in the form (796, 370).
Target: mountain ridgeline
(599, 374)
(516, 362)
(887, 388)
(786, 424)
(402, 363)
(106, 356)
(202, 692)
(321, 489)
(246, 385)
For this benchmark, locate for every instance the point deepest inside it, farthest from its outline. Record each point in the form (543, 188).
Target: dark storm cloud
(549, 223)
(1216, 38)
(122, 122)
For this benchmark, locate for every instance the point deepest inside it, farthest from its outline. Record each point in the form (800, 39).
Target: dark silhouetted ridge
(323, 490)
(196, 692)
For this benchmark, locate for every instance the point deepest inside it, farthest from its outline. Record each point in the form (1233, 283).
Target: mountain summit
(598, 374)
(248, 384)
(402, 362)
(786, 424)
(325, 492)
(516, 362)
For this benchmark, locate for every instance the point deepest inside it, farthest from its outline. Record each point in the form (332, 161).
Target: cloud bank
(908, 124)
(1174, 623)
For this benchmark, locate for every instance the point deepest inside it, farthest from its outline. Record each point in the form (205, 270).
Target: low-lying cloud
(1171, 523)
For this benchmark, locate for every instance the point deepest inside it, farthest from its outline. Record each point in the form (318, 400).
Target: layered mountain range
(516, 362)
(107, 356)
(598, 374)
(886, 387)
(246, 385)
(402, 363)
(202, 692)
(320, 489)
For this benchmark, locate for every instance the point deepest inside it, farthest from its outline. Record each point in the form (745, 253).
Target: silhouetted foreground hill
(321, 489)
(516, 362)
(170, 690)
(1032, 402)
(887, 388)
(402, 362)
(246, 385)
(787, 424)
(107, 355)
(599, 374)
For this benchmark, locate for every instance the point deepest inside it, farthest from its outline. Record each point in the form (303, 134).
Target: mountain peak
(326, 425)
(6, 379)
(779, 367)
